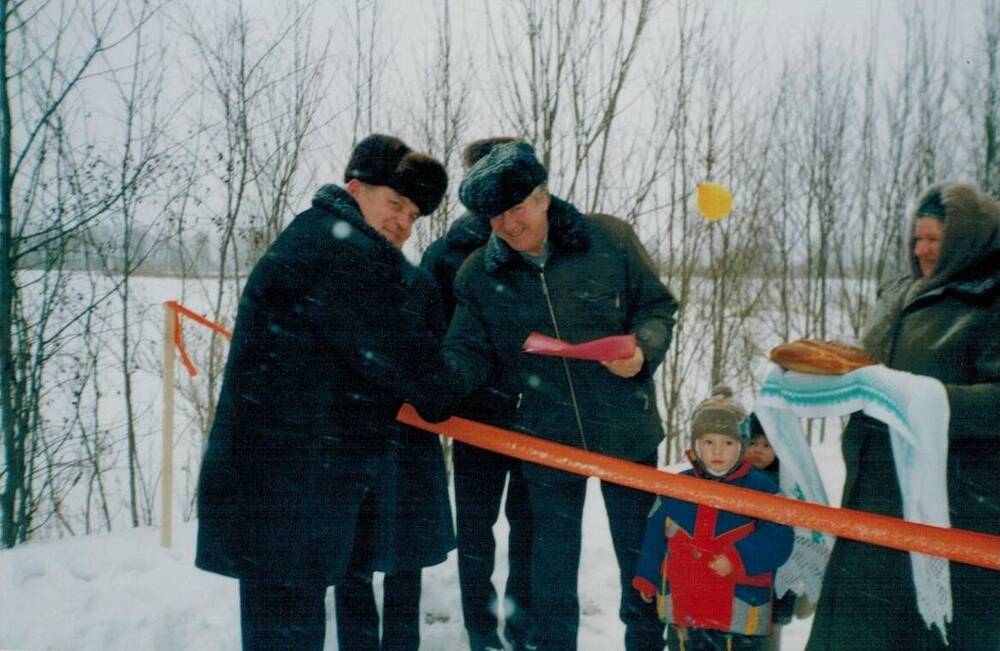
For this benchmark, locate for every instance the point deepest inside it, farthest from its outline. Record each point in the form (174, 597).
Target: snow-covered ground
(123, 591)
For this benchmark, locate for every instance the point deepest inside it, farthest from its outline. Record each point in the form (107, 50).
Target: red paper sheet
(606, 349)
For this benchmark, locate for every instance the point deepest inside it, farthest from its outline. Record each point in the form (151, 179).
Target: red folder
(606, 349)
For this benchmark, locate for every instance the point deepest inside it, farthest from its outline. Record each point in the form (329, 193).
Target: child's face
(760, 453)
(718, 453)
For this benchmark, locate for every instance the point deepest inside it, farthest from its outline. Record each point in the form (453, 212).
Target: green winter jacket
(948, 327)
(598, 281)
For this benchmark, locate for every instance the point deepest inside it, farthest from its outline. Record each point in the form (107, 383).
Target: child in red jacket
(711, 571)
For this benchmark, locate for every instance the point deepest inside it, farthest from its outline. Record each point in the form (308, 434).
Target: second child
(711, 571)
(763, 459)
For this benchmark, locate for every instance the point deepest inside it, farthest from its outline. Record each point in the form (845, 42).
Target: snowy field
(122, 591)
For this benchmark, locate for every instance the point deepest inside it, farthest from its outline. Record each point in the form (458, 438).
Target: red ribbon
(179, 310)
(606, 349)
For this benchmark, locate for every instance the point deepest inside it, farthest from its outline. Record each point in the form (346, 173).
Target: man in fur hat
(482, 476)
(325, 349)
(548, 268)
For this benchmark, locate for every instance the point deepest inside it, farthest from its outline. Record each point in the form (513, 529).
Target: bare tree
(366, 66)
(139, 88)
(443, 118)
(678, 240)
(563, 84)
(989, 176)
(981, 100)
(48, 49)
(263, 90)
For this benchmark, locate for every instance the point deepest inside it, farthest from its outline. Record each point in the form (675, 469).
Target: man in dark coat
(480, 475)
(405, 520)
(942, 319)
(323, 353)
(551, 269)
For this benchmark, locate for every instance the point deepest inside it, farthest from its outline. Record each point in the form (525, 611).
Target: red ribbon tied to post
(178, 310)
(605, 349)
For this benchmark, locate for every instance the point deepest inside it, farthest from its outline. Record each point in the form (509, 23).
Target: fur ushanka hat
(386, 160)
(501, 179)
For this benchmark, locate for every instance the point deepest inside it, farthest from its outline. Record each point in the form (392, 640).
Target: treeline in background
(153, 149)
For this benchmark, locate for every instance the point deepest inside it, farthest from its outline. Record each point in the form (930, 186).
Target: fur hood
(970, 250)
(968, 264)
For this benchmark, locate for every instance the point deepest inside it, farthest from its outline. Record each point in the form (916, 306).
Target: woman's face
(927, 235)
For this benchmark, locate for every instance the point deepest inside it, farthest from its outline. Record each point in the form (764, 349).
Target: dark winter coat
(682, 538)
(326, 346)
(782, 608)
(409, 523)
(492, 403)
(946, 327)
(445, 256)
(597, 281)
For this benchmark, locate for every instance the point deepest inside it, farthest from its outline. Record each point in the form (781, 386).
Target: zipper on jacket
(569, 378)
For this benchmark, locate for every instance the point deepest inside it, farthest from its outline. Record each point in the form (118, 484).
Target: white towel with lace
(915, 407)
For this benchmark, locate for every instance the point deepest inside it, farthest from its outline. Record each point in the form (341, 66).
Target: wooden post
(167, 474)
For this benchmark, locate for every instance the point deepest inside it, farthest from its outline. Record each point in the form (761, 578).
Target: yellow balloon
(714, 201)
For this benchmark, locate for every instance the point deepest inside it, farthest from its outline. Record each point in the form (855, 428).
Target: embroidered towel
(915, 408)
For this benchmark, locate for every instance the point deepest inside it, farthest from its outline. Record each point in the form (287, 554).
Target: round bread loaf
(820, 357)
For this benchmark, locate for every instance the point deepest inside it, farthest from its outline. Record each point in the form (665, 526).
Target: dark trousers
(479, 484)
(557, 509)
(282, 617)
(357, 614)
(704, 639)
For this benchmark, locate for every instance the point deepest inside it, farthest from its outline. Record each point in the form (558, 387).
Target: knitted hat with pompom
(720, 414)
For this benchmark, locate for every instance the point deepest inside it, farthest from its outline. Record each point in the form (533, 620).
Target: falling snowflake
(341, 230)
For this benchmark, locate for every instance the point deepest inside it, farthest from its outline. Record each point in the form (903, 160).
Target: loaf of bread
(819, 357)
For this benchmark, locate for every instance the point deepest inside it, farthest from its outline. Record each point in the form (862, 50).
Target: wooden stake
(167, 474)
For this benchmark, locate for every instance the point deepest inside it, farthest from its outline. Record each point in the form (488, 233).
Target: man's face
(760, 453)
(385, 210)
(718, 452)
(927, 235)
(524, 226)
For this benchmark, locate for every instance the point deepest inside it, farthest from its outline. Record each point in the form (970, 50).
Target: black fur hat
(386, 160)
(502, 179)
